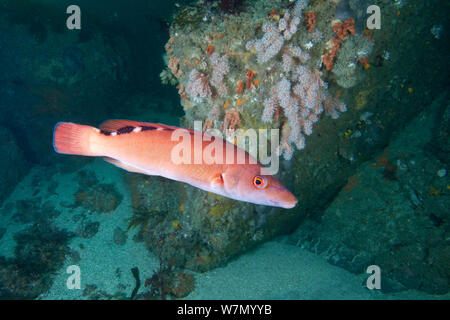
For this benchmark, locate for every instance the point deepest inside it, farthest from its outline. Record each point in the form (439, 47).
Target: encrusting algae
(278, 78)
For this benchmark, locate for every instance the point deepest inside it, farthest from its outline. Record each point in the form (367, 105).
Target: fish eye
(259, 182)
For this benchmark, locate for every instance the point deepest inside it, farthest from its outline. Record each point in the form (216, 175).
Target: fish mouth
(284, 204)
(289, 201)
(289, 205)
(282, 198)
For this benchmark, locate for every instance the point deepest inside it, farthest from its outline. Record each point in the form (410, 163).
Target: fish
(148, 148)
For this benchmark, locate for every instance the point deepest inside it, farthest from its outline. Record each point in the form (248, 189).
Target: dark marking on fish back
(126, 129)
(106, 133)
(147, 128)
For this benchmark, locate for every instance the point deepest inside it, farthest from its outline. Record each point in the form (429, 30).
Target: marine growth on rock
(268, 66)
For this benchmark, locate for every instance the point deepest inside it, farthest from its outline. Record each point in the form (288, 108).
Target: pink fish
(147, 148)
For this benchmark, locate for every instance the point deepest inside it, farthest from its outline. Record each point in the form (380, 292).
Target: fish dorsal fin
(116, 124)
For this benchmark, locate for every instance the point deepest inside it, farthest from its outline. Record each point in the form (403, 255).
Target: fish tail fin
(71, 138)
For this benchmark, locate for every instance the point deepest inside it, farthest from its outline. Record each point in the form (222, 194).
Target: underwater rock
(103, 198)
(230, 6)
(89, 290)
(392, 213)
(166, 282)
(74, 256)
(440, 145)
(182, 285)
(195, 229)
(73, 60)
(120, 237)
(2, 232)
(88, 229)
(223, 74)
(135, 272)
(346, 69)
(40, 252)
(167, 77)
(343, 11)
(201, 231)
(13, 165)
(50, 76)
(95, 196)
(33, 210)
(86, 179)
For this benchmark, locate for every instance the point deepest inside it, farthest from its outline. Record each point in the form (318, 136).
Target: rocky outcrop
(201, 230)
(393, 212)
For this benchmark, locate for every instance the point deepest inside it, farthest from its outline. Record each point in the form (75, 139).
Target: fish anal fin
(126, 167)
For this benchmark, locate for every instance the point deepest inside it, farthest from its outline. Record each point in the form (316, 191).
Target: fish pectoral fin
(127, 167)
(217, 181)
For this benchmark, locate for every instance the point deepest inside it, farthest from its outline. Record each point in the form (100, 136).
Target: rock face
(201, 230)
(13, 165)
(49, 78)
(393, 212)
(440, 144)
(185, 226)
(40, 252)
(95, 196)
